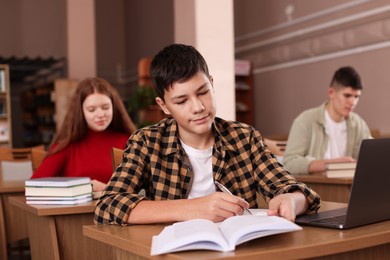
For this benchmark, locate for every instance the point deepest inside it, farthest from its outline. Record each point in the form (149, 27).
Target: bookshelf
(44, 106)
(244, 92)
(5, 107)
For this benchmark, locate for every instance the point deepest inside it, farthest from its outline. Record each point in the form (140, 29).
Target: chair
(16, 164)
(277, 147)
(116, 156)
(37, 156)
(143, 71)
(15, 154)
(375, 133)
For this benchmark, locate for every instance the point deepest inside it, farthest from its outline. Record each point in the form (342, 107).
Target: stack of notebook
(340, 169)
(58, 190)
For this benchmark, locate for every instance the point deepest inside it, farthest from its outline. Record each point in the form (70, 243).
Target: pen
(224, 189)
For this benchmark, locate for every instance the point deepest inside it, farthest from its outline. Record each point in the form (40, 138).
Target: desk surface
(320, 177)
(50, 210)
(309, 242)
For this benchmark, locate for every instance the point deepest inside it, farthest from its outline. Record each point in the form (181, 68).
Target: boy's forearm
(148, 211)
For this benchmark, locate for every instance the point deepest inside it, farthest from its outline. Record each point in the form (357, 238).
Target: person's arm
(288, 197)
(216, 207)
(51, 166)
(98, 185)
(296, 159)
(320, 165)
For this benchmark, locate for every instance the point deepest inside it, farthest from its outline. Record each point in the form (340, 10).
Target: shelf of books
(244, 92)
(5, 107)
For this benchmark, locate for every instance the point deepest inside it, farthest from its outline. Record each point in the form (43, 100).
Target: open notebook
(370, 192)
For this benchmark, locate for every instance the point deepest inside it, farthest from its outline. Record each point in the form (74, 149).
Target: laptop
(370, 192)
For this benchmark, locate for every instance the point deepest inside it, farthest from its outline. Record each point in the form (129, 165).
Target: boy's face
(192, 104)
(343, 101)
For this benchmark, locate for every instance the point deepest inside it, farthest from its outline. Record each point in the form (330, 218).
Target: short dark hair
(175, 63)
(346, 77)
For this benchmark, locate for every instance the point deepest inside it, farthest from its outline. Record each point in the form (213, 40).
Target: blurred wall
(295, 47)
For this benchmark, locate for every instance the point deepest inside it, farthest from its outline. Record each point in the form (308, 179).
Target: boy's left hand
(288, 205)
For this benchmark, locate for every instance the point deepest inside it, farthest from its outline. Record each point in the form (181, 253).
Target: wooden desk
(367, 242)
(330, 189)
(55, 231)
(13, 225)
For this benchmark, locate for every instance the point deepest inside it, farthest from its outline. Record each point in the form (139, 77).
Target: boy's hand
(288, 205)
(216, 207)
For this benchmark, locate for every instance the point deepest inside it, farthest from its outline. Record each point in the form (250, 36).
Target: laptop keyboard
(331, 220)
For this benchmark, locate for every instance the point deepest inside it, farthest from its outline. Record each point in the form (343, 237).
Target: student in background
(95, 121)
(177, 160)
(330, 132)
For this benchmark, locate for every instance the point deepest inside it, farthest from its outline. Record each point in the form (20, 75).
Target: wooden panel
(366, 242)
(63, 91)
(43, 237)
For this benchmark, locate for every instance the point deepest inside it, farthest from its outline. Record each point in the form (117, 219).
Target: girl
(95, 122)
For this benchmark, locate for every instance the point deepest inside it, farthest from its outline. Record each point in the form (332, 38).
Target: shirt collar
(224, 141)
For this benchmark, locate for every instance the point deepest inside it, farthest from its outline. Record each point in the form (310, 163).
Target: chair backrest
(143, 71)
(37, 156)
(15, 163)
(116, 156)
(277, 147)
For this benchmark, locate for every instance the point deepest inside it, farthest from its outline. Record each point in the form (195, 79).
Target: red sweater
(90, 157)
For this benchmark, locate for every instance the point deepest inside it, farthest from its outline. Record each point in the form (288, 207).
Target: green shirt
(155, 161)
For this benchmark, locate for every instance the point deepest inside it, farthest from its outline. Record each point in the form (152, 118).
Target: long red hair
(75, 128)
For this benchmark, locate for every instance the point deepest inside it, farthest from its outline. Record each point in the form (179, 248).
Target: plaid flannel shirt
(155, 161)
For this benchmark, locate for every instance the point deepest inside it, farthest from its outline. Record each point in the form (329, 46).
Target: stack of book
(58, 190)
(340, 169)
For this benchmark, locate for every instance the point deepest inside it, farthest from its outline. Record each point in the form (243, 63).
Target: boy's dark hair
(175, 63)
(346, 77)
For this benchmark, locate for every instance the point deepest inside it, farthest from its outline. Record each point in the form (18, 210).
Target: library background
(34, 97)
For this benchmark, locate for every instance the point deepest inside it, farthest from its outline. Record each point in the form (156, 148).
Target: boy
(177, 161)
(330, 132)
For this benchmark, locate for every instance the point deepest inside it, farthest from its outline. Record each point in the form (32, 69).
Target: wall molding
(324, 57)
(313, 29)
(302, 19)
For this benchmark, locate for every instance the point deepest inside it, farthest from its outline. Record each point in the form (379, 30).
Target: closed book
(57, 181)
(59, 191)
(341, 173)
(59, 202)
(340, 165)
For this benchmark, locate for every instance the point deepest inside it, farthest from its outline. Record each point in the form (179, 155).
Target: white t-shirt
(337, 132)
(202, 166)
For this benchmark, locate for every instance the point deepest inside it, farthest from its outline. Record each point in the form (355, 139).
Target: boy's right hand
(216, 207)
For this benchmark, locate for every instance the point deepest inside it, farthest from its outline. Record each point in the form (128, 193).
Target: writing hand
(217, 206)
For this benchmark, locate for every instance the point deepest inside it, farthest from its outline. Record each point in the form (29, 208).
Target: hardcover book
(57, 181)
(341, 165)
(340, 169)
(58, 200)
(59, 191)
